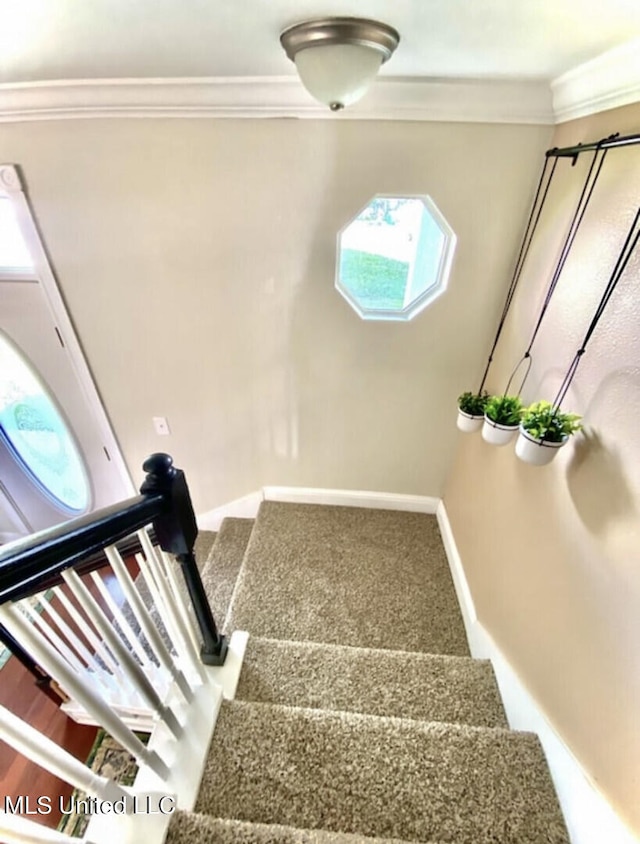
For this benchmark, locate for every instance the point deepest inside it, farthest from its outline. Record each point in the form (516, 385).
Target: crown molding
(491, 101)
(608, 81)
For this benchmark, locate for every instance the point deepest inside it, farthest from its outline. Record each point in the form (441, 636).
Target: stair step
(221, 571)
(194, 828)
(348, 576)
(205, 540)
(385, 777)
(373, 682)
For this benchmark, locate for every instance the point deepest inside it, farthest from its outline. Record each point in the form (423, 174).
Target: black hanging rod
(612, 141)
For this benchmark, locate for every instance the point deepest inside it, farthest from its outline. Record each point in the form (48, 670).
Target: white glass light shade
(338, 74)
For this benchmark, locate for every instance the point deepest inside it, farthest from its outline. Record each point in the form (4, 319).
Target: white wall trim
(247, 506)
(351, 498)
(242, 508)
(11, 185)
(588, 815)
(608, 81)
(458, 100)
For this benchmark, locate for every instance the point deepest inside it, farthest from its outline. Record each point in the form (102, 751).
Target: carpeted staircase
(359, 715)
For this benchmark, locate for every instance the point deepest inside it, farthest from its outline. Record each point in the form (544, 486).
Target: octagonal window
(394, 258)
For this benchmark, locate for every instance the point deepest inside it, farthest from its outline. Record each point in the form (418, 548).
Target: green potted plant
(471, 411)
(501, 419)
(543, 430)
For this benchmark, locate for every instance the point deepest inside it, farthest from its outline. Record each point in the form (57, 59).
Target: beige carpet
(385, 777)
(203, 547)
(359, 715)
(220, 573)
(348, 576)
(188, 828)
(419, 686)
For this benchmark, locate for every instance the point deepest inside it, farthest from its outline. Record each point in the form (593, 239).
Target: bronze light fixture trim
(341, 74)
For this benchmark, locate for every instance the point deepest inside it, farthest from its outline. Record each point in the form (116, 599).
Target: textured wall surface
(197, 260)
(553, 554)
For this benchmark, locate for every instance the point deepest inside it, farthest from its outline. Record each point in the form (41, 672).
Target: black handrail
(25, 565)
(164, 501)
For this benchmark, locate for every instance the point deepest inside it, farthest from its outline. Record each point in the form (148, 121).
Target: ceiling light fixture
(338, 58)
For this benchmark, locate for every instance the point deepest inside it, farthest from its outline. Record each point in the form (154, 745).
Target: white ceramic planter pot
(534, 452)
(498, 434)
(468, 424)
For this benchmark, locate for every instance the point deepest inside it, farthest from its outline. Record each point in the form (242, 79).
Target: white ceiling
(488, 39)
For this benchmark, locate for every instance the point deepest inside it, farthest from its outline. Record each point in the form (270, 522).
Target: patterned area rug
(109, 759)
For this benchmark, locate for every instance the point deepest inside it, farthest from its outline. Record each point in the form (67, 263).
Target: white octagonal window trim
(394, 257)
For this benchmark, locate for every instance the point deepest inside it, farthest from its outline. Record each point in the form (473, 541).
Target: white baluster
(188, 618)
(15, 829)
(88, 632)
(48, 755)
(129, 666)
(181, 635)
(77, 688)
(46, 630)
(163, 603)
(123, 624)
(74, 640)
(146, 623)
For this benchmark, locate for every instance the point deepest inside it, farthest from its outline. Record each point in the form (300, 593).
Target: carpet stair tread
(194, 828)
(203, 546)
(220, 573)
(332, 574)
(375, 682)
(374, 776)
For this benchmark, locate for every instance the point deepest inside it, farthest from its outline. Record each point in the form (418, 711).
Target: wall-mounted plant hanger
(593, 174)
(544, 427)
(472, 406)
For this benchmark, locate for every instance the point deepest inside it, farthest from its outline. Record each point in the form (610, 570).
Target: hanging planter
(501, 419)
(536, 452)
(471, 411)
(543, 431)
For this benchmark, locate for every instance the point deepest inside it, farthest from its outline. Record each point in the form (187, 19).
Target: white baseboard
(242, 508)
(587, 813)
(247, 506)
(351, 498)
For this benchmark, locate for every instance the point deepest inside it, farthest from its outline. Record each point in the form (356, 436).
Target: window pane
(393, 258)
(34, 430)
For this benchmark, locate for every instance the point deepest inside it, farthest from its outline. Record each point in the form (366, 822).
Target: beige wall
(197, 261)
(553, 554)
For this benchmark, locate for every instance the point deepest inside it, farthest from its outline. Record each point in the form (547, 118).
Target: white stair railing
(76, 686)
(131, 669)
(47, 754)
(122, 665)
(146, 622)
(168, 602)
(131, 654)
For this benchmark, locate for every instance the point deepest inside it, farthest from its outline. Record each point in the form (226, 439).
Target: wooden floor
(19, 776)
(19, 694)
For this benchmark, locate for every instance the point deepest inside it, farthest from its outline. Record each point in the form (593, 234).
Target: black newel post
(176, 532)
